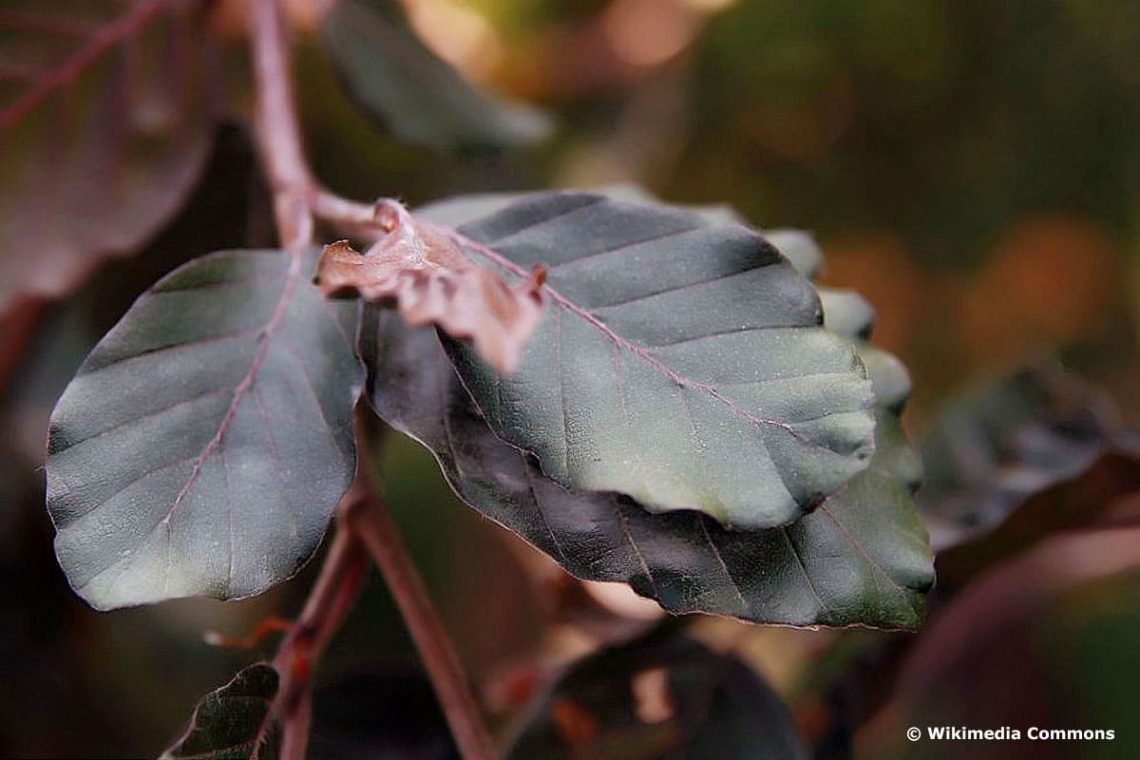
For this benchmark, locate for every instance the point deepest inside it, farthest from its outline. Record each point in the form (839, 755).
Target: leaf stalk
(381, 538)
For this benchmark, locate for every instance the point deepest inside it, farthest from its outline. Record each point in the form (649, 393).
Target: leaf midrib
(292, 275)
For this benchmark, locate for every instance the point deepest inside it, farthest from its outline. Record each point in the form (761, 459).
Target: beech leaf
(1016, 459)
(681, 361)
(389, 73)
(860, 558)
(233, 721)
(1002, 442)
(201, 447)
(106, 138)
(426, 276)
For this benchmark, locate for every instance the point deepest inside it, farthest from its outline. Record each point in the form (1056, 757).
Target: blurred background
(972, 167)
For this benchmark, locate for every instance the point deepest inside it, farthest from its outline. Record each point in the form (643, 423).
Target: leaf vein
(634, 348)
(744, 608)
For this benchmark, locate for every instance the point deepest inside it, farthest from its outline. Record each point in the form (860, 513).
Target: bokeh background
(972, 167)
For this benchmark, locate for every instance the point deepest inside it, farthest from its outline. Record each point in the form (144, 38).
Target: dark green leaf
(681, 362)
(232, 722)
(661, 696)
(106, 138)
(1078, 502)
(797, 246)
(1004, 441)
(862, 557)
(1016, 459)
(203, 444)
(419, 97)
(873, 563)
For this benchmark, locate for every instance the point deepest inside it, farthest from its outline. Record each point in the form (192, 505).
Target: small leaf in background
(1016, 459)
(203, 444)
(664, 695)
(681, 362)
(1027, 467)
(232, 722)
(1002, 442)
(419, 97)
(105, 141)
(430, 281)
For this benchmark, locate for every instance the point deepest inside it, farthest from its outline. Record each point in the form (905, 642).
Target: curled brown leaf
(425, 276)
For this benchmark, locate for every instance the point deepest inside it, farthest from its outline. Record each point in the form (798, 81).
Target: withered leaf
(418, 270)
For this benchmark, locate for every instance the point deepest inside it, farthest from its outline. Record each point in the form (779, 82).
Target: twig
(347, 217)
(279, 140)
(330, 598)
(278, 130)
(332, 207)
(381, 537)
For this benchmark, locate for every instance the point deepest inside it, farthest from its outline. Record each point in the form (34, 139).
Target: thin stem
(279, 132)
(346, 216)
(381, 537)
(332, 207)
(329, 600)
(383, 542)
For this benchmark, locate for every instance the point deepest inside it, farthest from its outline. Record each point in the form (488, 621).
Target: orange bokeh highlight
(1050, 280)
(879, 266)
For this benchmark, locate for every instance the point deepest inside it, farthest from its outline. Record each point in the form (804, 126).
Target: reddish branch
(381, 537)
(329, 600)
(278, 130)
(363, 520)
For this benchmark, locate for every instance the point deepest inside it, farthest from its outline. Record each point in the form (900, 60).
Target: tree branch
(279, 134)
(329, 600)
(363, 520)
(381, 537)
